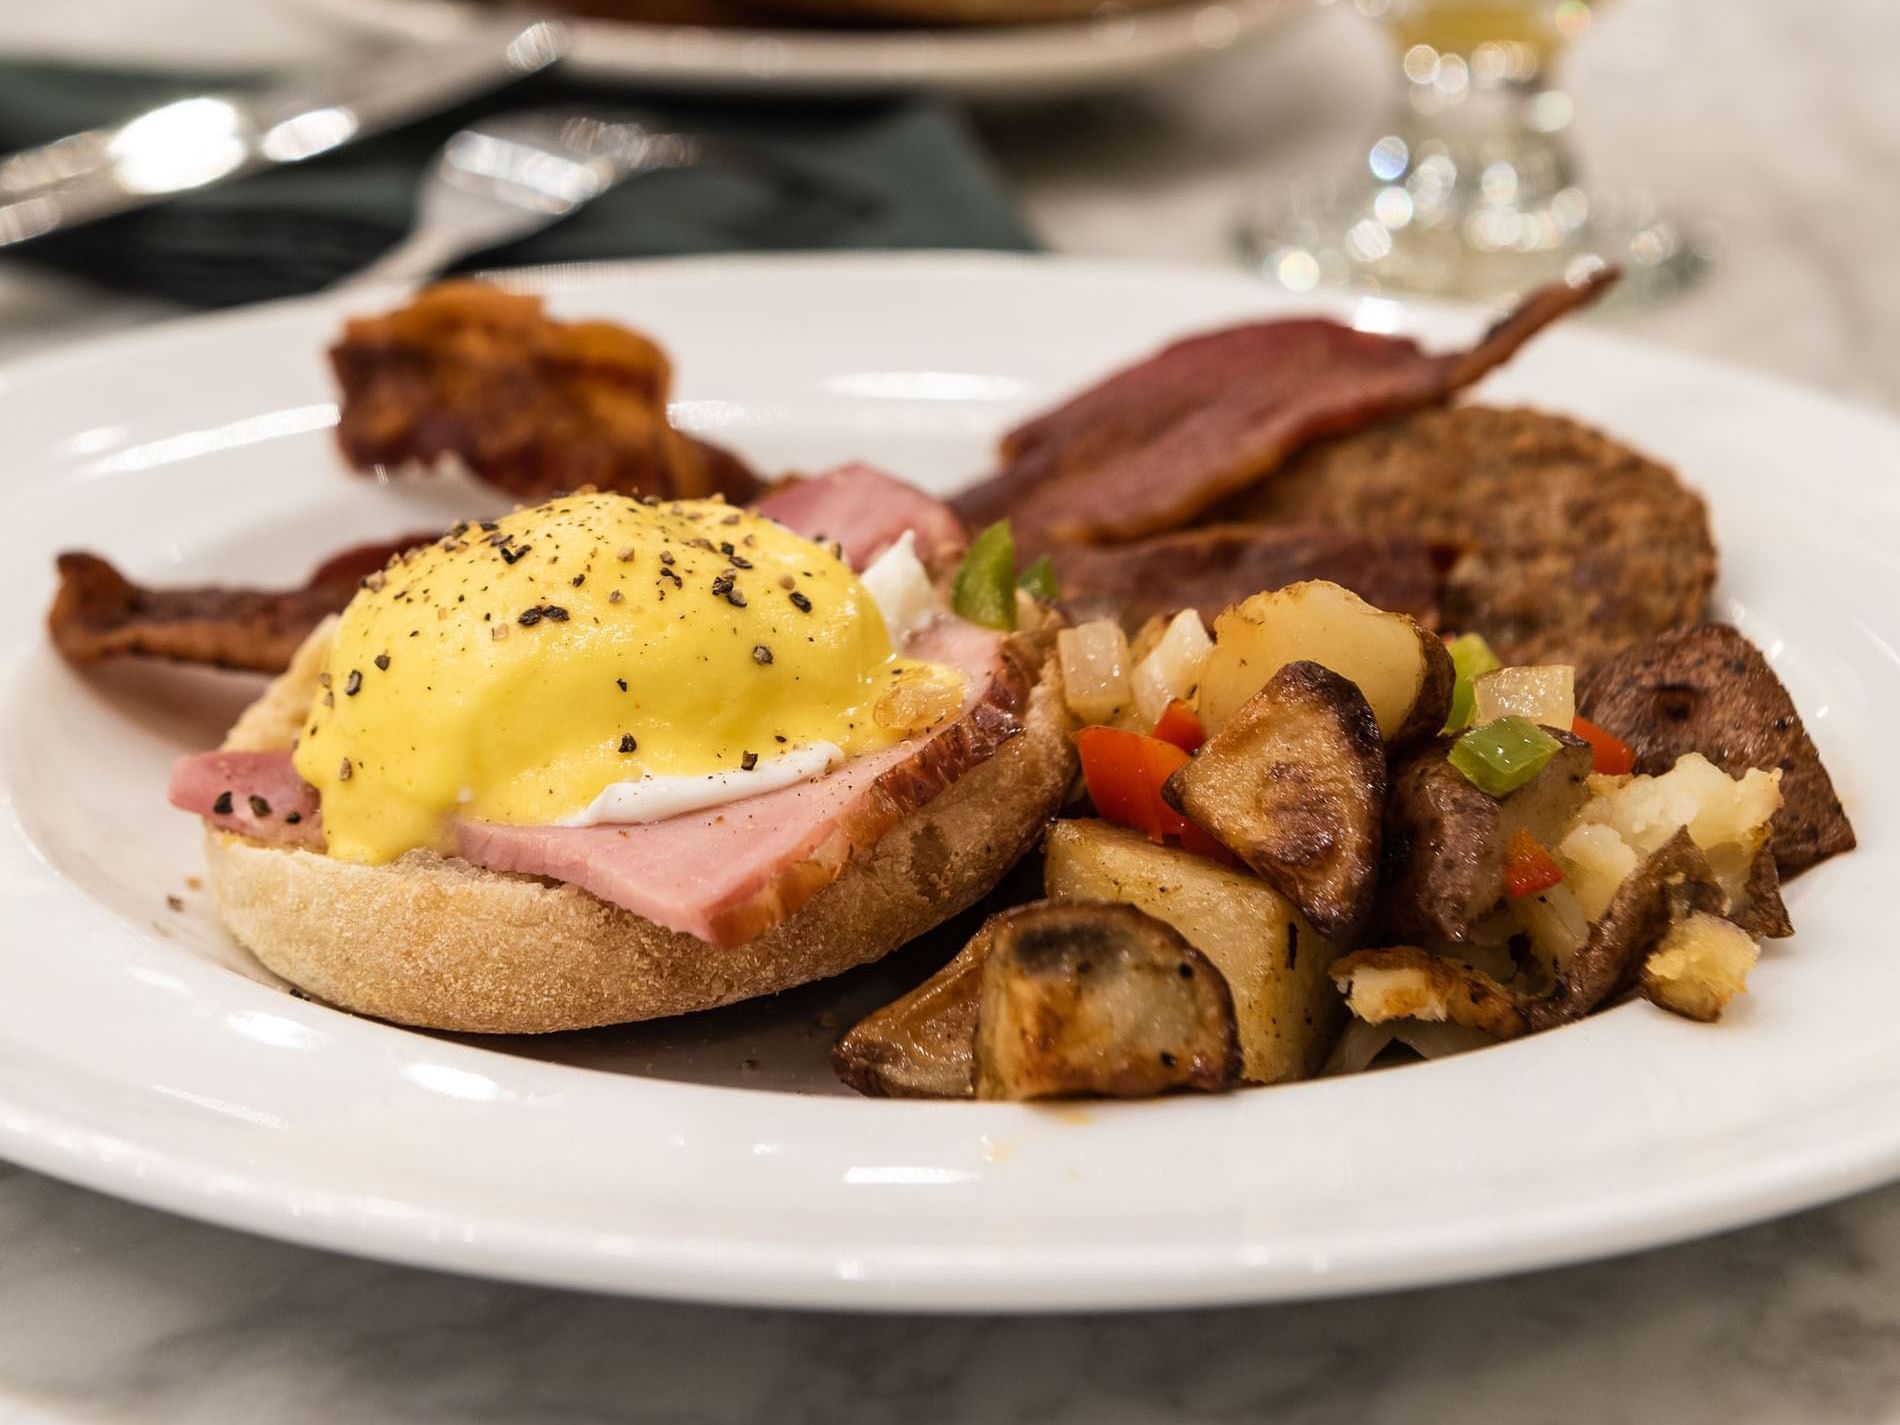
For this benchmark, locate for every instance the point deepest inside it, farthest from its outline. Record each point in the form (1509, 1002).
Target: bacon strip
(1161, 442)
(1216, 565)
(531, 405)
(99, 613)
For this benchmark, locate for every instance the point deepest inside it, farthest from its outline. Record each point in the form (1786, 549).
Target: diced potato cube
(1403, 670)
(1274, 962)
(1717, 808)
(1701, 964)
(1595, 861)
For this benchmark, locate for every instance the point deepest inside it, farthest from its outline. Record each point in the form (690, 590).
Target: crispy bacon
(1215, 565)
(530, 405)
(99, 613)
(1161, 442)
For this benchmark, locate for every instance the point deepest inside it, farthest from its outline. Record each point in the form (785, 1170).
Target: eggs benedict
(607, 758)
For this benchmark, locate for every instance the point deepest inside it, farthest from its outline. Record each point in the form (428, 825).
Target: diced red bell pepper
(1124, 772)
(1609, 753)
(1179, 725)
(1528, 867)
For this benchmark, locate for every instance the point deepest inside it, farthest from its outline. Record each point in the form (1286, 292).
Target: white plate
(1026, 61)
(140, 1053)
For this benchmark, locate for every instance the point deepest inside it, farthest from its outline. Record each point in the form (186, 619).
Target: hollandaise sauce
(518, 669)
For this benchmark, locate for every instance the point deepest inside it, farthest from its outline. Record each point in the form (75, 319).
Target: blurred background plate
(1014, 61)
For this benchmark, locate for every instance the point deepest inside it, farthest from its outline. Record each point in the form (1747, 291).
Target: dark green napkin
(901, 173)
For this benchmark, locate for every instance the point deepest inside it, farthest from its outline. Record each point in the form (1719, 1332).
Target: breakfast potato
(1093, 999)
(921, 1046)
(1664, 890)
(1445, 840)
(1405, 983)
(1400, 666)
(1707, 689)
(1729, 817)
(1701, 964)
(1294, 785)
(1273, 959)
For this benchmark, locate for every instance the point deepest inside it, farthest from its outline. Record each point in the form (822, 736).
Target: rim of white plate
(809, 1234)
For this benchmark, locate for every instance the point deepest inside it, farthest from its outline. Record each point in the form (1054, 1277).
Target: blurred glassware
(1471, 190)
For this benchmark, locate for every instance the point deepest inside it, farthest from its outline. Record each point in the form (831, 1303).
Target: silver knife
(194, 142)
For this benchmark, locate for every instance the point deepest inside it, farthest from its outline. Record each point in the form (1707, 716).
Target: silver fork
(515, 174)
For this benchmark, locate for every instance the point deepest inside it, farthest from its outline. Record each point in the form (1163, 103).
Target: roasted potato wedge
(923, 1045)
(1400, 666)
(1294, 785)
(1273, 959)
(1445, 840)
(1701, 964)
(1093, 999)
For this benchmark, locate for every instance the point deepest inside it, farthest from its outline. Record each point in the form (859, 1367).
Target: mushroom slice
(1096, 999)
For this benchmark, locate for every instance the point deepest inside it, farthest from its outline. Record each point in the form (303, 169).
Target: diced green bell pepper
(1472, 658)
(1039, 580)
(984, 590)
(1503, 755)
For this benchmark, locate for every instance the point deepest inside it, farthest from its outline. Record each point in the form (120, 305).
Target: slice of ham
(866, 511)
(255, 794)
(731, 873)
(1163, 441)
(726, 874)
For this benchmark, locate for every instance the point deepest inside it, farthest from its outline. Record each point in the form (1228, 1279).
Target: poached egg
(604, 658)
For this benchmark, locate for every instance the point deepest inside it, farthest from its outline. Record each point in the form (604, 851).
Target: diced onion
(1094, 659)
(1555, 922)
(1431, 1040)
(1173, 668)
(1358, 1045)
(1544, 694)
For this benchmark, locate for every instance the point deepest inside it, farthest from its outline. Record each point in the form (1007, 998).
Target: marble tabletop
(1779, 122)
